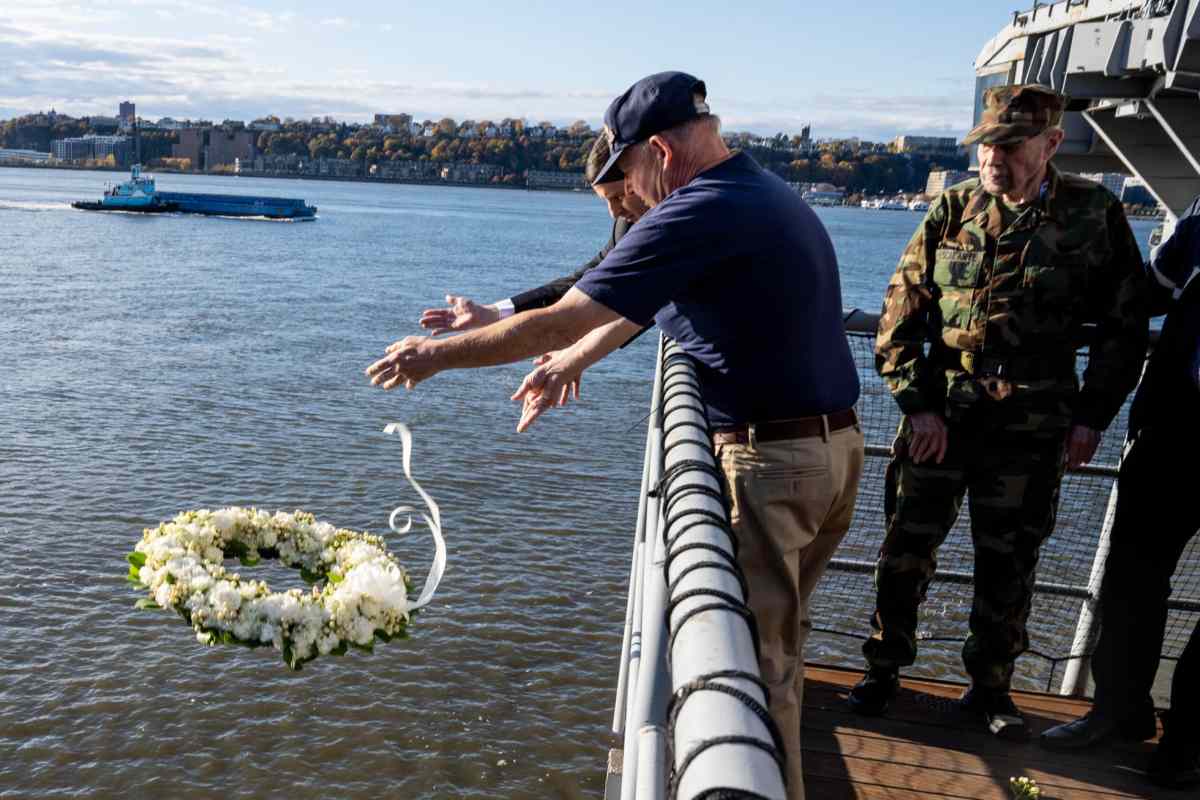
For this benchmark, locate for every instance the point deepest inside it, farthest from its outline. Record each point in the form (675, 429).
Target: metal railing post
(618, 723)
(1079, 666)
(643, 641)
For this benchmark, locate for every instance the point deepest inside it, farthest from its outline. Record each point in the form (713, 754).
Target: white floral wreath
(359, 594)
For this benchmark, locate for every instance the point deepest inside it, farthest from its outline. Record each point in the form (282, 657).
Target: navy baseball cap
(652, 105)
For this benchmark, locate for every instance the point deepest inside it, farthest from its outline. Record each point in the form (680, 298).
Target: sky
(859, 68)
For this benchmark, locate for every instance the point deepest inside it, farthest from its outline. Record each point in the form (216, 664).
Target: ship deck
(925, 748)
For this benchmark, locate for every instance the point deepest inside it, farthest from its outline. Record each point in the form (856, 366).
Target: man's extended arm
(547, 385)
(1118, 350)
(416, 358)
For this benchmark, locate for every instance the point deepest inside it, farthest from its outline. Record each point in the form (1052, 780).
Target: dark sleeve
(1174, 264)
(552, 292)
(1118, 351)
(908, 316)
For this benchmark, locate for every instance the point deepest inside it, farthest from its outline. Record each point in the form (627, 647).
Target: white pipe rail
(688, 599)
(720, 729)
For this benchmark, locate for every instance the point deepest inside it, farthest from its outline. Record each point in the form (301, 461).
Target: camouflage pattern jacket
(977, 310)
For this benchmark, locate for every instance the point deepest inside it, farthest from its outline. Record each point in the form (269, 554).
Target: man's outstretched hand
(408, 362)
(461, 314)
(552, 382)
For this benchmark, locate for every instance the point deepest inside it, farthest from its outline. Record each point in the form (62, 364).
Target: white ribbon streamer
(433, 519)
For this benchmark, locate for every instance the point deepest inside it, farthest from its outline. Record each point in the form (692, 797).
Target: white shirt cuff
(505, 307)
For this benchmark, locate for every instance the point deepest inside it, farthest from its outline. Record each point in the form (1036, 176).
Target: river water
(151, 364)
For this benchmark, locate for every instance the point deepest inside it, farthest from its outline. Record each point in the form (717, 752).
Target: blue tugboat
(140, 194)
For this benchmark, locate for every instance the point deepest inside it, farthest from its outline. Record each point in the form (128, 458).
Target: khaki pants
(791, 504)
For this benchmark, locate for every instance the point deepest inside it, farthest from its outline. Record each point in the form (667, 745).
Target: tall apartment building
(207, 148)
(127, 112)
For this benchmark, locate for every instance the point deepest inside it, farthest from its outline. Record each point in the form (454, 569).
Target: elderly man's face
(1011, 168)
(643, 174)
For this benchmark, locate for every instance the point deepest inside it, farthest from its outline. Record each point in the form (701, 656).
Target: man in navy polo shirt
(733, 265)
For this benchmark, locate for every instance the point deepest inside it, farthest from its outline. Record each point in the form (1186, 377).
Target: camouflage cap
(1015, 113)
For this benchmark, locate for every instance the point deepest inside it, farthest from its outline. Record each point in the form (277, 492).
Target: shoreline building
(92, 147)
(545, 179)
(927, 145)
(942, 179)
(208, 148)
(15, 156)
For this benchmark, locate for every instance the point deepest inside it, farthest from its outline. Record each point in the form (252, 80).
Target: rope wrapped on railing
(723, 743)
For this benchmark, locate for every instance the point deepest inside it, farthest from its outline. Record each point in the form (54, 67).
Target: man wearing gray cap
(977, 343)
(734, 266)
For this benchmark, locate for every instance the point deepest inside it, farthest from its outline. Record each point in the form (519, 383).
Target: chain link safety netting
(843, 602)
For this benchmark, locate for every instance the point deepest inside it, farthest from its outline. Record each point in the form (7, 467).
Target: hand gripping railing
(714, 738)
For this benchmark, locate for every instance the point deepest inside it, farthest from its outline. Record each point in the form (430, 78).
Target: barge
(139, 194)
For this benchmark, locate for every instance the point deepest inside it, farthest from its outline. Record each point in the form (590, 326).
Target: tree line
(857, 167)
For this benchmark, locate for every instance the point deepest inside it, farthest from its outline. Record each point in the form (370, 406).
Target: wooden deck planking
(925, 747)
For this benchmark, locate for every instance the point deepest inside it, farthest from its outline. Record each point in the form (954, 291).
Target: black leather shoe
(998, 710)
(1085, 732)
(1173, 767)
(874, 693)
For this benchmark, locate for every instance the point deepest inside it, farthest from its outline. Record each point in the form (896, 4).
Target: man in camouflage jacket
(977, 344)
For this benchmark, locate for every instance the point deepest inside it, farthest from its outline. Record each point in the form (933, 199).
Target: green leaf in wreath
(340, 650)
(336, 577)
(135, 574)
(369, 647)
(383, 636)
(136, 559)
(170, 578)
(248, 561)
(146, 602)
(236, 549)
(309, 576)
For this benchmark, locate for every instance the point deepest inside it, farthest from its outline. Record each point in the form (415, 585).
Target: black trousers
(1157, 514)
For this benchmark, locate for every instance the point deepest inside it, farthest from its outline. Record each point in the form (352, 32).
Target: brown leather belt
(787, 428)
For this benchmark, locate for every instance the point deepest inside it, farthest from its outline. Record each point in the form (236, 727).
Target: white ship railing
(691, 705)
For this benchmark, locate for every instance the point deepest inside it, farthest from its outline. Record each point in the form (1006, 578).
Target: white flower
(224, 520)
(226, 598)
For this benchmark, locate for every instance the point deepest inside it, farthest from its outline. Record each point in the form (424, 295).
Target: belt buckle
(994, 380)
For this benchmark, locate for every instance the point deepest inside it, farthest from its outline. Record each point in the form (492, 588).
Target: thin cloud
(54, 57)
